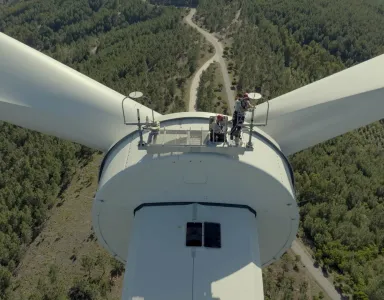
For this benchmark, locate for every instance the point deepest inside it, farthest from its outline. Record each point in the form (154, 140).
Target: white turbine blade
(327, 108)
(39, 93)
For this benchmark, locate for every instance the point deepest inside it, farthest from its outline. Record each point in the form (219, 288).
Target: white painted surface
(327, 108)
(254, 96)
(135, 95)
(259, 179)
(234, 271)
(39, 93)
(160, 266)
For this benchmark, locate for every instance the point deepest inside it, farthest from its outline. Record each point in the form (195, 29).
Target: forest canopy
(126, 45)
(278, 46)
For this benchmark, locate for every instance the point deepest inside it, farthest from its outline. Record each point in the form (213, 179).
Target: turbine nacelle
(145, 202)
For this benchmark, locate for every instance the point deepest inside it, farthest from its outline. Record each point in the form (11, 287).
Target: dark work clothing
(238, 119)
(234, 119)
(216, 137)
(216, 133)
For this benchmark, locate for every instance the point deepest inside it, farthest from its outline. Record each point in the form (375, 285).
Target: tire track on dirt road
(218, 57)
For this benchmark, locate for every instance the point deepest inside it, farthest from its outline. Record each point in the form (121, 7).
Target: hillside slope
(114, 42)
(66, 251)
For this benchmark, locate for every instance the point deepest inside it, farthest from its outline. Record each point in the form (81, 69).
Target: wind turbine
(190, 220)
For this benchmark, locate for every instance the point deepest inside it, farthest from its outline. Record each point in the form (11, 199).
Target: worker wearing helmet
(217, 129)
(219, 118)
(154, 128)
(245, 103)
(242, 105)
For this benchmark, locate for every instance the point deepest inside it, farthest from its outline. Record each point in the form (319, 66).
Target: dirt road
(218, 57)
(316, 273)
(195, 84)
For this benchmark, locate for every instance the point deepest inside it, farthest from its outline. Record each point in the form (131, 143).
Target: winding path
(218, 57)
(306, 259)
(316, 273)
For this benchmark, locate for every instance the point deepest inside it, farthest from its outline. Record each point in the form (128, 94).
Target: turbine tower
(189, 218)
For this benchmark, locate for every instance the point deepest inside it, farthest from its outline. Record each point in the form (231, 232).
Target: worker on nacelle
(154, 128)
(217, 129)
(242, 105)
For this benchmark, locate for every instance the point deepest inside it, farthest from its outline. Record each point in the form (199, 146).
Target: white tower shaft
(224, 264)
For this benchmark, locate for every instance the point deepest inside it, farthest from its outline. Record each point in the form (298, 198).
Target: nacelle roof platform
(131, 176)
(164, 140)
(194, 141)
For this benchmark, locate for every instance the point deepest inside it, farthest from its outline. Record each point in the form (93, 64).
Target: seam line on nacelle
(194, 202)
